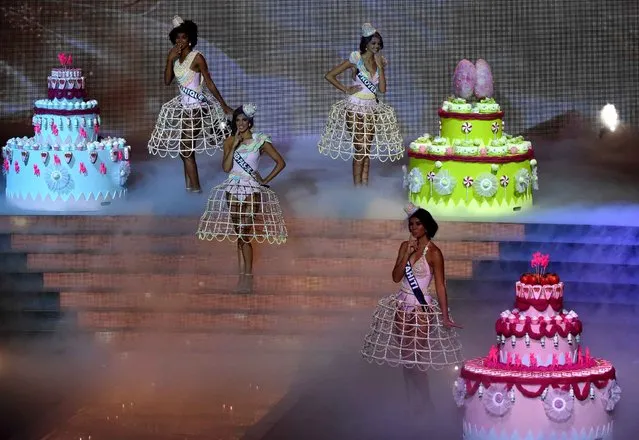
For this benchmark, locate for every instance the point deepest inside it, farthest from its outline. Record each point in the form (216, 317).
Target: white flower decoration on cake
(459, 392)
(558, 405)
(123, 172)
(414, 180)
(612, 396)
(444, 183)
(496, 401)
(522, 181)
(486, 185)
(58, 178)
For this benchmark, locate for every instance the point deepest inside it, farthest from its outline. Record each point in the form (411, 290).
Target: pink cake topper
(533, 360)
(103, 169)
(36, 170)
(83, 169)
(6, 165)
(56, 159)
(54, 129)
(83, 132)
(65, 59)
(16, 166)
(539, 262)
(37, 128)
(555, 359)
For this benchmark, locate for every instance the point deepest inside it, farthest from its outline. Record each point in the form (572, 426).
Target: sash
(414, 286)
(195, 95)
(245, 166)
(367, 82)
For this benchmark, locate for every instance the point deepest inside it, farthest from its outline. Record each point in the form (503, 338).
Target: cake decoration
(68, 123)
(556, 389)
(471, 142)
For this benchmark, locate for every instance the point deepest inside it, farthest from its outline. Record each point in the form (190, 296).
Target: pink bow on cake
(65, 59)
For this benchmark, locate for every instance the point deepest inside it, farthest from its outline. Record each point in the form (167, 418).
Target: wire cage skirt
(245, 210)
(358, 130)
(412, 337)
(187, 129)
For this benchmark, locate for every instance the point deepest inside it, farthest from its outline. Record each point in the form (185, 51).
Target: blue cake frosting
(66, 165)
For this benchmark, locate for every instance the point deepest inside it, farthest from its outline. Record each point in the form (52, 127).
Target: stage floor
(72, 389)
(582, 180)
(71, 385)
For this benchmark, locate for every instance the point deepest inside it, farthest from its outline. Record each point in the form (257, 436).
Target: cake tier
(460, 105)
(542, 403)
(62, 180)
(464, 126)
(550, 339)
(502, 148)
(66, 83)
(65, 122)
(471, 186)
(539, 298)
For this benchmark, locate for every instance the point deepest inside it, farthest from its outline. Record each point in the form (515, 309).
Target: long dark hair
(239, 111)
(365, 40)
(427, 220)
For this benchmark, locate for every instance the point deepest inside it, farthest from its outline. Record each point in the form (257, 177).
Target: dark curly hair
(427, 220)
(239, 111)
(365, 40)
(189, 28)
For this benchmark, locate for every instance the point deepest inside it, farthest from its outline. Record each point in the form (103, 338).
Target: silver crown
(177, 20)
(368, 30)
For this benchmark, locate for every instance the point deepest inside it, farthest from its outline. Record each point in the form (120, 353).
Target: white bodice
(187, 77)
(251, 153)
(356, 59)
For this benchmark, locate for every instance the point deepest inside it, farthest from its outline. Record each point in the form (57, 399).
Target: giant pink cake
(537, 382)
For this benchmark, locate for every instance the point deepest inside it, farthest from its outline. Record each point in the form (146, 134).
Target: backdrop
(548, 57)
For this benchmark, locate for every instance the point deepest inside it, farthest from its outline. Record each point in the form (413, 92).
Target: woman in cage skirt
(360, 126)
(243, 208)
(411, 328)
(195, 120)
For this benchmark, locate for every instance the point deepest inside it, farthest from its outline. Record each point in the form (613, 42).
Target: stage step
(564, 252)
(301, 227)
(220, 302)
(575, 293)
(139, 272)
(169, 283)
(191, 265)
(570, 273)
(125, 245)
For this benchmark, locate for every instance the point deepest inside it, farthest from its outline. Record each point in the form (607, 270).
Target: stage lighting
(609, 118)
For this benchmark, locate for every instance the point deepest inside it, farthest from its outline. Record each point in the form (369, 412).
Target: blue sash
(195, 95)
(246, 167)
(367, 82)
(414, 286)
